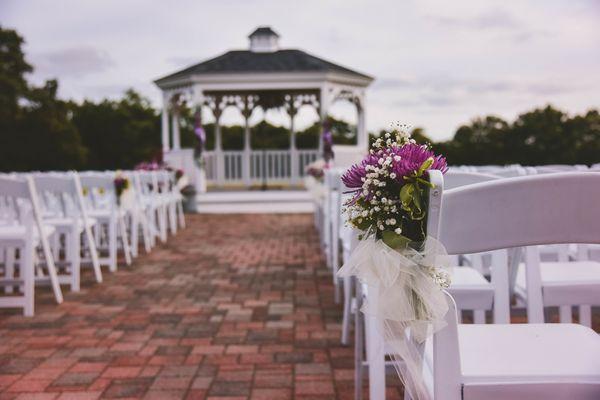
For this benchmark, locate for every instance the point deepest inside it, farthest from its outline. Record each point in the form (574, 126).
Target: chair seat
(471, 290)
(16, 234)
(65, 223)
(104, 214)
(528, 361)
(566, 283)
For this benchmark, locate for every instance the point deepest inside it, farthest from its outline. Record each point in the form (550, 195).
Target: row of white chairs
(53, 224)
(483, 283)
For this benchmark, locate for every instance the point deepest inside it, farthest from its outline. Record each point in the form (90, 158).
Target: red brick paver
(233, 307)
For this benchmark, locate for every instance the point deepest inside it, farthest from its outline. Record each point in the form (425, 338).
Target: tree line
(39, 131)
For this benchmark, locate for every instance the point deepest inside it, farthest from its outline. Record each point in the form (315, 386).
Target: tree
(13, 68)
(35, 129)
(119, 134)
(45, 137)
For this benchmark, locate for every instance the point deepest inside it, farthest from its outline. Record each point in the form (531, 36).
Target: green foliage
(35, 128)
(539, 137)
(119, 134)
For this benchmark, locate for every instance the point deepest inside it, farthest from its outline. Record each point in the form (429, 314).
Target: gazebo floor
(232, 307)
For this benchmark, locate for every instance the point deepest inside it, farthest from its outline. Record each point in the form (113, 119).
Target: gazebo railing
(257, 166)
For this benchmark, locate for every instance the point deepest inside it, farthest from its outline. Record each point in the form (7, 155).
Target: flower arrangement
(121, 184)
(316, 169)
(150, 166)
(313, 181)
(390, 189)
(181, 179)
(403, 268)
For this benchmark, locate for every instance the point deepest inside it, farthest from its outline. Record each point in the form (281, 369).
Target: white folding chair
(22, 228)
(70, 219)
(102, 203)
(523, 361)
(156, 210)
(138, 217)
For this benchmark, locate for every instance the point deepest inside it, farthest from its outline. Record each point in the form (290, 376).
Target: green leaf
(425, 166)
(394, 240)
(406, 193)
(417, 199)
(364, 225)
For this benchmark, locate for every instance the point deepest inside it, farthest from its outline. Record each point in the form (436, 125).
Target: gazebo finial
(264, 40)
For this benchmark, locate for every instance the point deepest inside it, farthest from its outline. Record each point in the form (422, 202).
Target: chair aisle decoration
(400, 267)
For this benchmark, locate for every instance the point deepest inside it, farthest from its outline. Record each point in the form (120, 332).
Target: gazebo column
(246, 157)
(166, 146)
(362, 137)
(175, 128)
(294, 173)
(219, 151)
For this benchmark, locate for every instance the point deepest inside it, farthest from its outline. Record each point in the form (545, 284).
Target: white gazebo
(263, 76)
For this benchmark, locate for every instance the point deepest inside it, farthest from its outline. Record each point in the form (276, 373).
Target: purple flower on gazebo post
(327, 141)
(200, 133)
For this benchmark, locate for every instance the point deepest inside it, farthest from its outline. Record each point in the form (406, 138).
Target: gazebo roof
(246, 61)
(263, 60)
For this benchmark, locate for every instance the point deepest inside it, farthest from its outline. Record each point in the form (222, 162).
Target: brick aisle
(233, 307)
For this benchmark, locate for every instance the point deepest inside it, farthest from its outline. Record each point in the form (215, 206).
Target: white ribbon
(410, 304)
(316, 189)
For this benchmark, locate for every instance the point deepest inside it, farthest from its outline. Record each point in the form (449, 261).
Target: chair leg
(375, 353)
(173, 217)
(181, 215)
(162, 224)
(28, 276)
(565, 314)
(145, 232)
(125, 242)
(585, 315)
(74, 258)
(358, 346)
(9, 265)
(51, 269)
(347, 310)
(112, 245)
(135, 233)
(91, 242)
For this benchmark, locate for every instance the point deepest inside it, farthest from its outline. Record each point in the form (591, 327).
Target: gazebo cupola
(264, 40)
(263, 76)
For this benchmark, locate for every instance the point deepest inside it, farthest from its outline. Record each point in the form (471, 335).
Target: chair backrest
(64, 190)
(531, 210)
(100, 188)
(454, 179)
(525, 211)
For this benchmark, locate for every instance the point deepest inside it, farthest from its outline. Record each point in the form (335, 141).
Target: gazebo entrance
(264, 77)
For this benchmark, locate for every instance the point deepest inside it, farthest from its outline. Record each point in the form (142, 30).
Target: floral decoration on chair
(401, 267)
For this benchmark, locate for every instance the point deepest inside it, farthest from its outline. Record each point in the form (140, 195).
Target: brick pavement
(233, 307)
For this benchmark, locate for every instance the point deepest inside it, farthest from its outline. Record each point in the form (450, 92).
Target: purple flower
(412, 156)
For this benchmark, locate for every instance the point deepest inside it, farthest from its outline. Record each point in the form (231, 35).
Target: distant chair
(102, 206)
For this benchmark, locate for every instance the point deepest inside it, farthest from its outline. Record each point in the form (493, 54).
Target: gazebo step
(291, 201)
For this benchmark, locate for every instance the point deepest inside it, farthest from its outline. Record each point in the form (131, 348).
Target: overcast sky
(437, 64)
